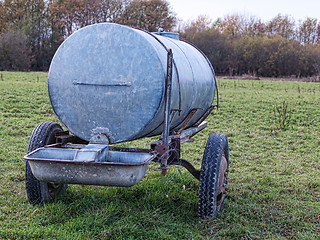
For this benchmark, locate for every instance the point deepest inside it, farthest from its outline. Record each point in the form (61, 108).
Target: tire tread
(209, 175)
(43, 134)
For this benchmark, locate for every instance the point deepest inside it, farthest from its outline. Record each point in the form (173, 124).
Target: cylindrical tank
(108, 78)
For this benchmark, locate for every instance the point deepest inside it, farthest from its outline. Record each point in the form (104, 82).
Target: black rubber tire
(216, 149)
(40, 192)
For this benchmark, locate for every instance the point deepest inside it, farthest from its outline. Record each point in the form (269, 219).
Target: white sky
(266, 10)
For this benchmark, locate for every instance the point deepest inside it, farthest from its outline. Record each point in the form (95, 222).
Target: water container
(110, 79)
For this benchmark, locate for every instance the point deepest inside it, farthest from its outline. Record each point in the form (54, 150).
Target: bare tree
(308, 31)
(149, 15)
(283, 26)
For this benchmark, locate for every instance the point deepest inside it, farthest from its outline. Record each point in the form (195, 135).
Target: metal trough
(60, 165)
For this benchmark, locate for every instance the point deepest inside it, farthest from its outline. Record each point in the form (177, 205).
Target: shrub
(14, 52)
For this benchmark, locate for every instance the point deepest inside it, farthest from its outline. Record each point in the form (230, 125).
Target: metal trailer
(110, 83)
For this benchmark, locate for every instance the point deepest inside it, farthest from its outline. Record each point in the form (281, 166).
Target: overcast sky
(266, 10)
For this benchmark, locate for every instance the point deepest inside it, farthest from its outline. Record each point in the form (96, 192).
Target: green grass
(274, 187)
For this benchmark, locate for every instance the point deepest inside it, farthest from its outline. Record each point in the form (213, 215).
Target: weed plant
(274, 186)
(282, 116)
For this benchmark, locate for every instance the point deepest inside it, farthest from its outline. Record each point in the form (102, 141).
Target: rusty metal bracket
(172, 153)
(205, 115)
(185, 135)
(187, 120)
(164, 146)
(187, 165)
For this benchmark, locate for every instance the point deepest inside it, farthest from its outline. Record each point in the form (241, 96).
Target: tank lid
(173, 35)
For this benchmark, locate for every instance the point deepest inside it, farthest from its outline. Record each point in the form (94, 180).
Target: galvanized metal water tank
(110, 79)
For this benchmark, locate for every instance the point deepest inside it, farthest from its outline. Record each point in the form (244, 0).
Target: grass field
(274, 186)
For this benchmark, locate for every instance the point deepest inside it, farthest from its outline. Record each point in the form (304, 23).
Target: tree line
(238, 45)
(32, 30)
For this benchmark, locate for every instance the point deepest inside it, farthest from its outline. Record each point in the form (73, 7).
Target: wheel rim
(223, 179)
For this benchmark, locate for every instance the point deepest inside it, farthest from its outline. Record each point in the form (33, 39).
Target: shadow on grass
(132, 211)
